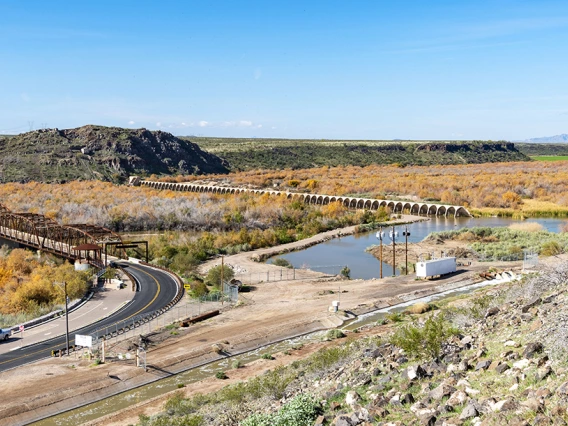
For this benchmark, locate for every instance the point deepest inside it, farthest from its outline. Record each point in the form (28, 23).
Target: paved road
(156, 290)
(105, 302)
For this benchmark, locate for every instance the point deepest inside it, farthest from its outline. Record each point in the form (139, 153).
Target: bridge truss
(42, 233)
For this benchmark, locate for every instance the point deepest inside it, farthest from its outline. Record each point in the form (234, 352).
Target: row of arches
(350, 202)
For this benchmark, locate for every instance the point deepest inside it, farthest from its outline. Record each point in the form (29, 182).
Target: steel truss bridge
(42, 233)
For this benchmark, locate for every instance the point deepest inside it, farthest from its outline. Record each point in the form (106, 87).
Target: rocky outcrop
(97, 152)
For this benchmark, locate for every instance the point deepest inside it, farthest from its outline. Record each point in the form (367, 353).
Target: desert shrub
(279, 261)
(345, 272)
(423, 341)
(302, 410)
(272, 383)
(327, 358)
(267, 356)
(335, 334)
(198, 288)
(551, 248)
(236, 364)
(394, 317)
(221, 375)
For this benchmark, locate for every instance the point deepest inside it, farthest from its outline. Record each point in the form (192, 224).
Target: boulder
(346, 420)
(428, 420)
(562, 390)
(501, 368)
(407, 398)
(414, 372)
(457, 398)
(543, 373)
(468, 412)
(441, 391)
(483, 365)
(532, 349)
(522, 364)
(491, 312)
(504, 405)
(533, 302)
(352, 398)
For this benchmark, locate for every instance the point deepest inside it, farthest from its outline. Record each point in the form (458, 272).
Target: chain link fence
(287, 274)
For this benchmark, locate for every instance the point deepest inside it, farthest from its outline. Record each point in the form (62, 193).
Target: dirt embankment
(270, 312)
(422, 251)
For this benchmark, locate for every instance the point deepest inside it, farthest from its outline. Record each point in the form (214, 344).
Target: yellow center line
(136, 313)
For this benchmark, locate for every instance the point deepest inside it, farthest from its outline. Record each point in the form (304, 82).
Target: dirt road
(270, 312)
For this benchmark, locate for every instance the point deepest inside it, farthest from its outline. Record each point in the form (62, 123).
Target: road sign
(81, 340)
(187, 286)
(22, 328)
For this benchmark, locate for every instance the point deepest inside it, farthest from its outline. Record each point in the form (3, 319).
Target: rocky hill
(97, 152)
(250, 154)
(492, 358)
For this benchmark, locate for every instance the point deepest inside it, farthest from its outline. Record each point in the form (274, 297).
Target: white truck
(5, 333)
(435, 267)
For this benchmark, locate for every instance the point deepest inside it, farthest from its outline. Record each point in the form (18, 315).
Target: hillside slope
(247, 154)
(97, 152)
(543, 148)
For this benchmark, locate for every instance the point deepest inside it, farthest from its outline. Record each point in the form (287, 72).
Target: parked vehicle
(5, 333)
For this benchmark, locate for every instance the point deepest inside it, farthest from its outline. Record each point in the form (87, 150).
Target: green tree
(214, 275)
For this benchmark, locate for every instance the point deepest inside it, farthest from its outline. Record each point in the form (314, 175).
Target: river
(331, 256)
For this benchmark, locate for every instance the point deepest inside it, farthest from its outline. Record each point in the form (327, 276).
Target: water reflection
(332, 255)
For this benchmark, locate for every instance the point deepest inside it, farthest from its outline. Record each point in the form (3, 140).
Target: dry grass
(527, 227)
(418, 308)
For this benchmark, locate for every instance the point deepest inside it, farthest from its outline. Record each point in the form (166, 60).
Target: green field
(550, 157)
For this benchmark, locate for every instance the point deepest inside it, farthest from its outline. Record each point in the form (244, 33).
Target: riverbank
(252, 262)
(270, 312)
(211, 384)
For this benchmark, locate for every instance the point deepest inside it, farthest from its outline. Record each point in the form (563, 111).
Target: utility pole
(406, 235)
(66, 314)
(222, 270)
(393, 253)
(380, 235)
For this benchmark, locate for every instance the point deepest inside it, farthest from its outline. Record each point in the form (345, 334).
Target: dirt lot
(271, 312)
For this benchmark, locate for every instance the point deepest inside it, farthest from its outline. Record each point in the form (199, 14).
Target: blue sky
(294, 69)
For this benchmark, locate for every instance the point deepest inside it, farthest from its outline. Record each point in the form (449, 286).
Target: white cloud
(245, 123)
(203, 123)
(257, 73)
(273, 127)
(158, 124)
(183, 124)
(259, 126)
(131, 122)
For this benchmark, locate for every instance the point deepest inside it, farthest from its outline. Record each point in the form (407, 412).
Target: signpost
(82, 340)
(22, 330)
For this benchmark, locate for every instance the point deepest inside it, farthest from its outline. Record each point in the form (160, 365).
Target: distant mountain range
(548, 139)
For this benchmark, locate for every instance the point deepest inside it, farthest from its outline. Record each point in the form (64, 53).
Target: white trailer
(435, 267)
